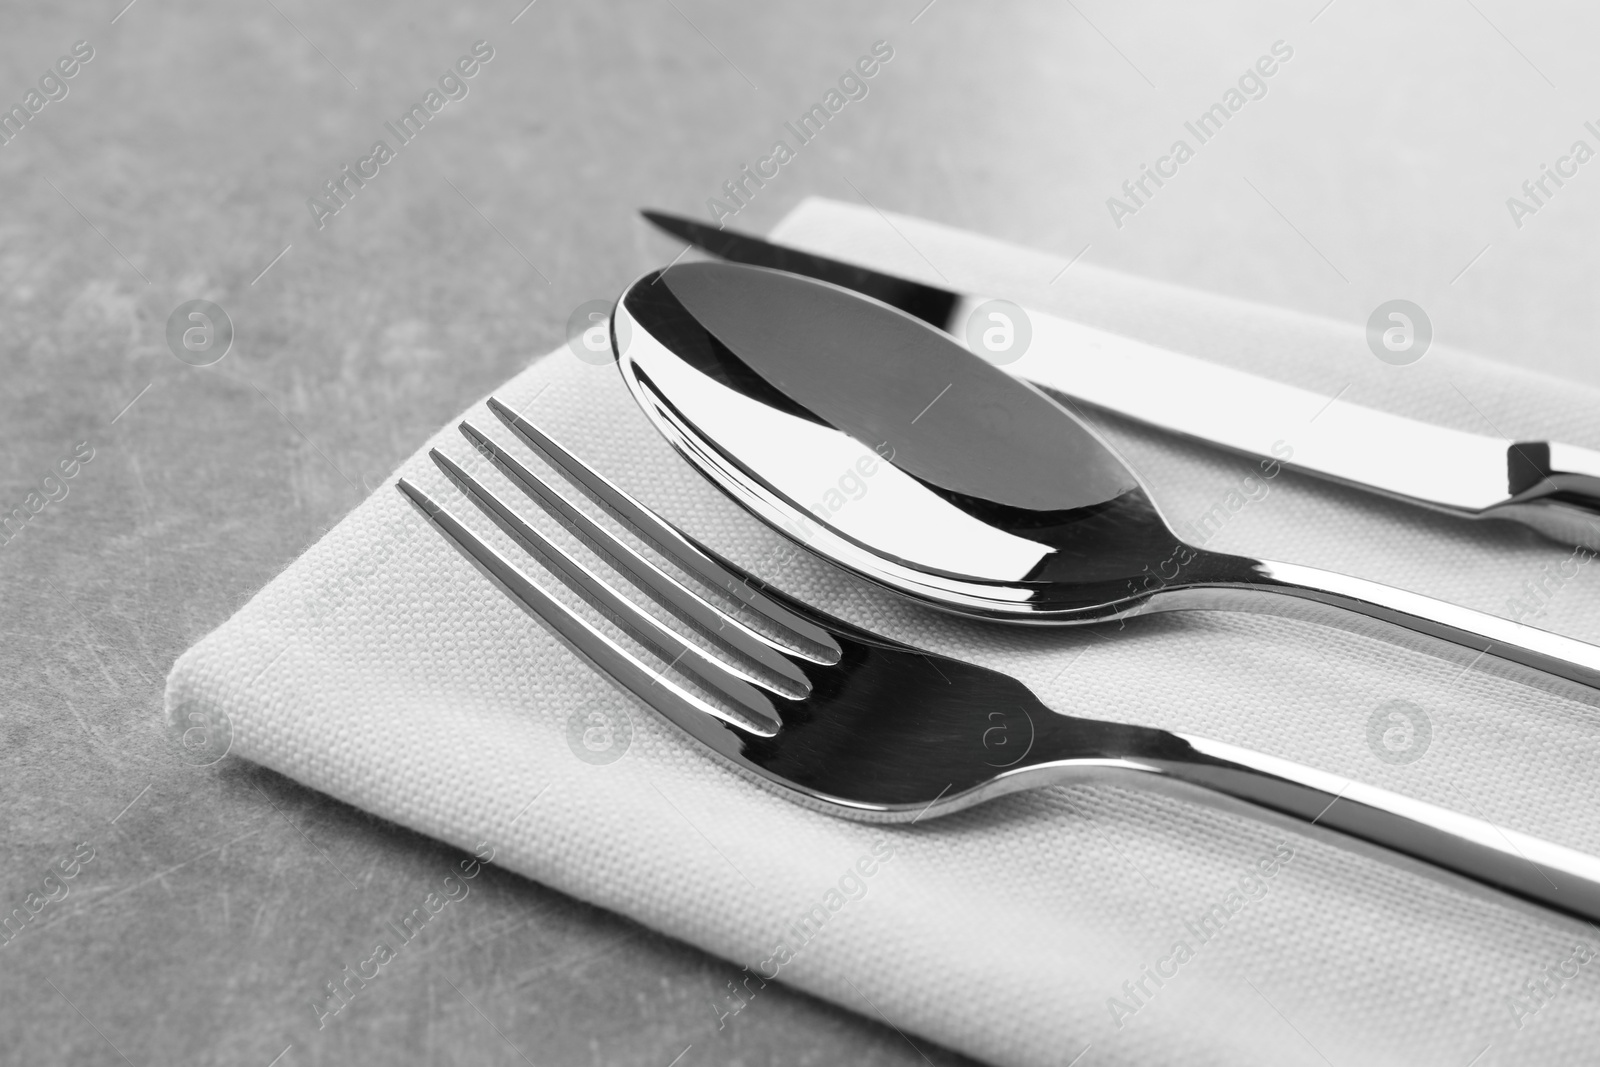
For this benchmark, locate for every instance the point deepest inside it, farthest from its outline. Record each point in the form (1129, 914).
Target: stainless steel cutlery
(832, 402)
(836, 718)
(984, 497)
(1547, 485)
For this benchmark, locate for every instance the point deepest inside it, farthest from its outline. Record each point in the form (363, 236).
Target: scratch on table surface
(433, 1016)
(498, 930)
(56, 638)
(64, 916)
(89, 629)
(101, 746)
(570, 964)
(150, 523)
(138, 476)
(115, 688)
(51, 638)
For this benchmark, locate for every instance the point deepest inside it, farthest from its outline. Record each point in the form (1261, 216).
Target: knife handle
(1556, 490)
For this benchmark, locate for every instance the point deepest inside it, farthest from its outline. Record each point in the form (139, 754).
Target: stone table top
(176, 164)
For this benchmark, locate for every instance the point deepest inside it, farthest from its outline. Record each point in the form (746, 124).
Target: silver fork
(839, 719)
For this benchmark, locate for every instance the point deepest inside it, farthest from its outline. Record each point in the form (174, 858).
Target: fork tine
(725, 680)
(810, 640)
(730, 634)
(609, 658)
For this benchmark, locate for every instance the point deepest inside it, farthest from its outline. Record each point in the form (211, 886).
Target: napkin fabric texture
(384, 670)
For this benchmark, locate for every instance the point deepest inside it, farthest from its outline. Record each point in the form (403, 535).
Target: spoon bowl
(881, 444)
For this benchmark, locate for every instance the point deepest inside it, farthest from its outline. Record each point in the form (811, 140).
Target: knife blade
(1551, 487)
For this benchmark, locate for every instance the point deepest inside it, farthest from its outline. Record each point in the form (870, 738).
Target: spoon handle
(1289, 588)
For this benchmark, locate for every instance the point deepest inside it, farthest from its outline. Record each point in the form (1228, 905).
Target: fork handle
(1528, 867)
(1236, 583)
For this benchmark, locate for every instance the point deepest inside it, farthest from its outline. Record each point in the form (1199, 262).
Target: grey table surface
(178, 166)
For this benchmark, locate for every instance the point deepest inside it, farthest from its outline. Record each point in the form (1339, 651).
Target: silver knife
(1549, 486)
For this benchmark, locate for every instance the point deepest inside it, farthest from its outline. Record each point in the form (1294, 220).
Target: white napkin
(382, 668)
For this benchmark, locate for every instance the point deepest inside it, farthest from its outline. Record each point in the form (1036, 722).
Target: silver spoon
(885, 447)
